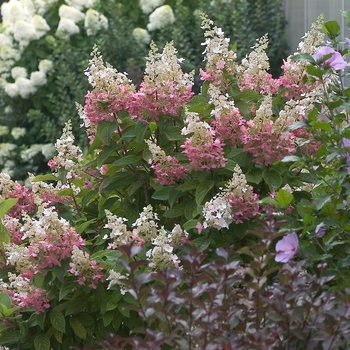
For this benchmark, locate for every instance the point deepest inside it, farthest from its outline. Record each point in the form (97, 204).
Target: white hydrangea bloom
(48, 150)
(81, 4)
(141, 36)
(9, 54)
(4, 130)
(71, 13)
(5, 39)
(30, 152)
(38, 78)
(40, 24)
(67, 27)
(18, 132)
(6, 149)
(19, 72)
(94, 21)
(147, 6)
(24, 32)
(11, 89)
(25, 87)
(161, 17)
(45, 66)
(42, 6)
(13, 11)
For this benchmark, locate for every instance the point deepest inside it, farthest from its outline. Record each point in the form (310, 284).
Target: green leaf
(321, 125)
(82, 227)
(4, 234)
(105, 130)
(175, 211)
(273, 178)
(255, 176)
(288, 159)
(284, 198)
(58, 321)
(42, 342)
(9, 338)
(173, 133)
(77, 303)
(188, 185)
(127, 160)
(317, 72)
(46, 177)
(5, 300)
(68, 286)
(78, 328)
(202, 242)
(140, 129)
(6, 205)
(202, 191)
(331, 28)
(163, 193)
(247, 95)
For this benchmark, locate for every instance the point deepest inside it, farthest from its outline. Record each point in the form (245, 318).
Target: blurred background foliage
(44, 113)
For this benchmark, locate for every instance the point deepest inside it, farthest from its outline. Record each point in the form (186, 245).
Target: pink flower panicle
(235, 203)
(228, 121)
(266, 139)
(207, 155)
(218, 55)
(24, 294)
(165, 89)
(25, 200)
(169, 172)
(86, 269)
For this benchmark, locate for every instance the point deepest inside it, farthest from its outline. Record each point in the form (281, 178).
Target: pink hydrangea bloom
(98, 106)
(156, 98)
(262, 82)
(265, 145)
(244, 206)
(25, 200)
(205, 156)
(229, 126)
(286, 247)
(169, 172)
(336, 61)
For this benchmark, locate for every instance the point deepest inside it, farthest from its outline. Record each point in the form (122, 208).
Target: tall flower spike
(165, 89)
(218, 55)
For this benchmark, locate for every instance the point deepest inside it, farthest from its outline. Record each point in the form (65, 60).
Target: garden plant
(210, 221)
(45, 47)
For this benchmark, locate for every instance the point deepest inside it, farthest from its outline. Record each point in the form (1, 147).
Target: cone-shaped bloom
(286, 248)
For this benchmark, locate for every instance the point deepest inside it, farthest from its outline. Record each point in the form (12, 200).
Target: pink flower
(286, 248)
(336, 61)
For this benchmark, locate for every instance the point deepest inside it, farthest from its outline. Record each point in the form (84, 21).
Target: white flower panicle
(313, 38)
(141, 36)
(147, 6)
(94, 22)
(257, 60)
(161, 17)
(103, 77)
(217, 51)
(119, 233)
(161, 255)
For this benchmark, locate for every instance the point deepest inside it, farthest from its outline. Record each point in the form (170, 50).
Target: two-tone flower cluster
(235, 203)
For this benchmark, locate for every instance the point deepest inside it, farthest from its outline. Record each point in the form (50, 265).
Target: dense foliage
(37, 100)
(214, 221)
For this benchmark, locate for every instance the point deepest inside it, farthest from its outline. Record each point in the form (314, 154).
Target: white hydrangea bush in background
(24, 22)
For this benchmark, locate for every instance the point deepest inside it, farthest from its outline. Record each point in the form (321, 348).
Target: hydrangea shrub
(176, 201)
